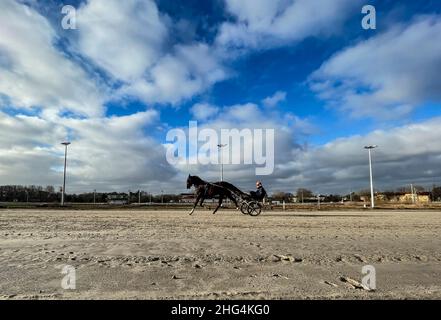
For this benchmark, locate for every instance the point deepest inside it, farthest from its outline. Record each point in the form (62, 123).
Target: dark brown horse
(207, 190)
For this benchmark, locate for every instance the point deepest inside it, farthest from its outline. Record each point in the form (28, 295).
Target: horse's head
(189, 181)
(194, 181)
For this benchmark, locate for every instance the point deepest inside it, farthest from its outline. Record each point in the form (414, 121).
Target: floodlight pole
(412, 190)
(66, 144)
(371, 180)
(220, 146)
(369, 148)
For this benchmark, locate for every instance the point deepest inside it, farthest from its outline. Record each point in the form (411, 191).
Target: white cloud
(106, 153)
(407, 154)
(116, 154)
(388, 75)
(27, 131)
(127, 39)
(34, 73)
(203, 111)
(130, 40)
(113, 153)
(274, 100)
(288, 130)
(123, 37)
(188, 71)
(262, 23)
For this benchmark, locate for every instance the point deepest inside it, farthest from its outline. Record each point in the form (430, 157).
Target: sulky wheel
(244, 208)
(254, 208)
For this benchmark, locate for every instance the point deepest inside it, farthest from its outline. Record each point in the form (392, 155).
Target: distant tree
(364, 193)
(282, 196)
(407, 189)
(171, 198)
(419, 188)
(436, 193)
(333, 198)
(303, 193)
(389, 195)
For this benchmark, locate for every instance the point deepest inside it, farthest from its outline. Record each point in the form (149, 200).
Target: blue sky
(133, 70)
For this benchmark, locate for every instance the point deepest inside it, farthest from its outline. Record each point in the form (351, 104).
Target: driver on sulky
(260, 192)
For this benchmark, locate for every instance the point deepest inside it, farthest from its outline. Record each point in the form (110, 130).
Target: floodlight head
(371, 147)
(222, 145)
(65, 143)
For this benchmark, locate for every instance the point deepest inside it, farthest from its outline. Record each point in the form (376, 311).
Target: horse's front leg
(199, 196)
(221, 198)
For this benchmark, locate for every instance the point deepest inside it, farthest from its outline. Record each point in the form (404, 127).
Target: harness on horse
(206, 189)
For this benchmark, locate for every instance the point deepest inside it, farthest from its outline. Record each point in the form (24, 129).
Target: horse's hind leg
(221, 198)
(234, 200)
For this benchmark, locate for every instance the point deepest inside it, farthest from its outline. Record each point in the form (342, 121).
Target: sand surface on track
(170, 255)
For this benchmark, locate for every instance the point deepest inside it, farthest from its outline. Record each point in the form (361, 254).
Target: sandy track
(166, 254)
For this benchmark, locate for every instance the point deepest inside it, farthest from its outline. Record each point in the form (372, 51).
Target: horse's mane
(197, 180)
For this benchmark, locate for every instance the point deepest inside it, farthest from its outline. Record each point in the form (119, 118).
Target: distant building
(314, 199)
(117, 199)
(422, 197)
(187, 198)
(403, 197)
(379, 197)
